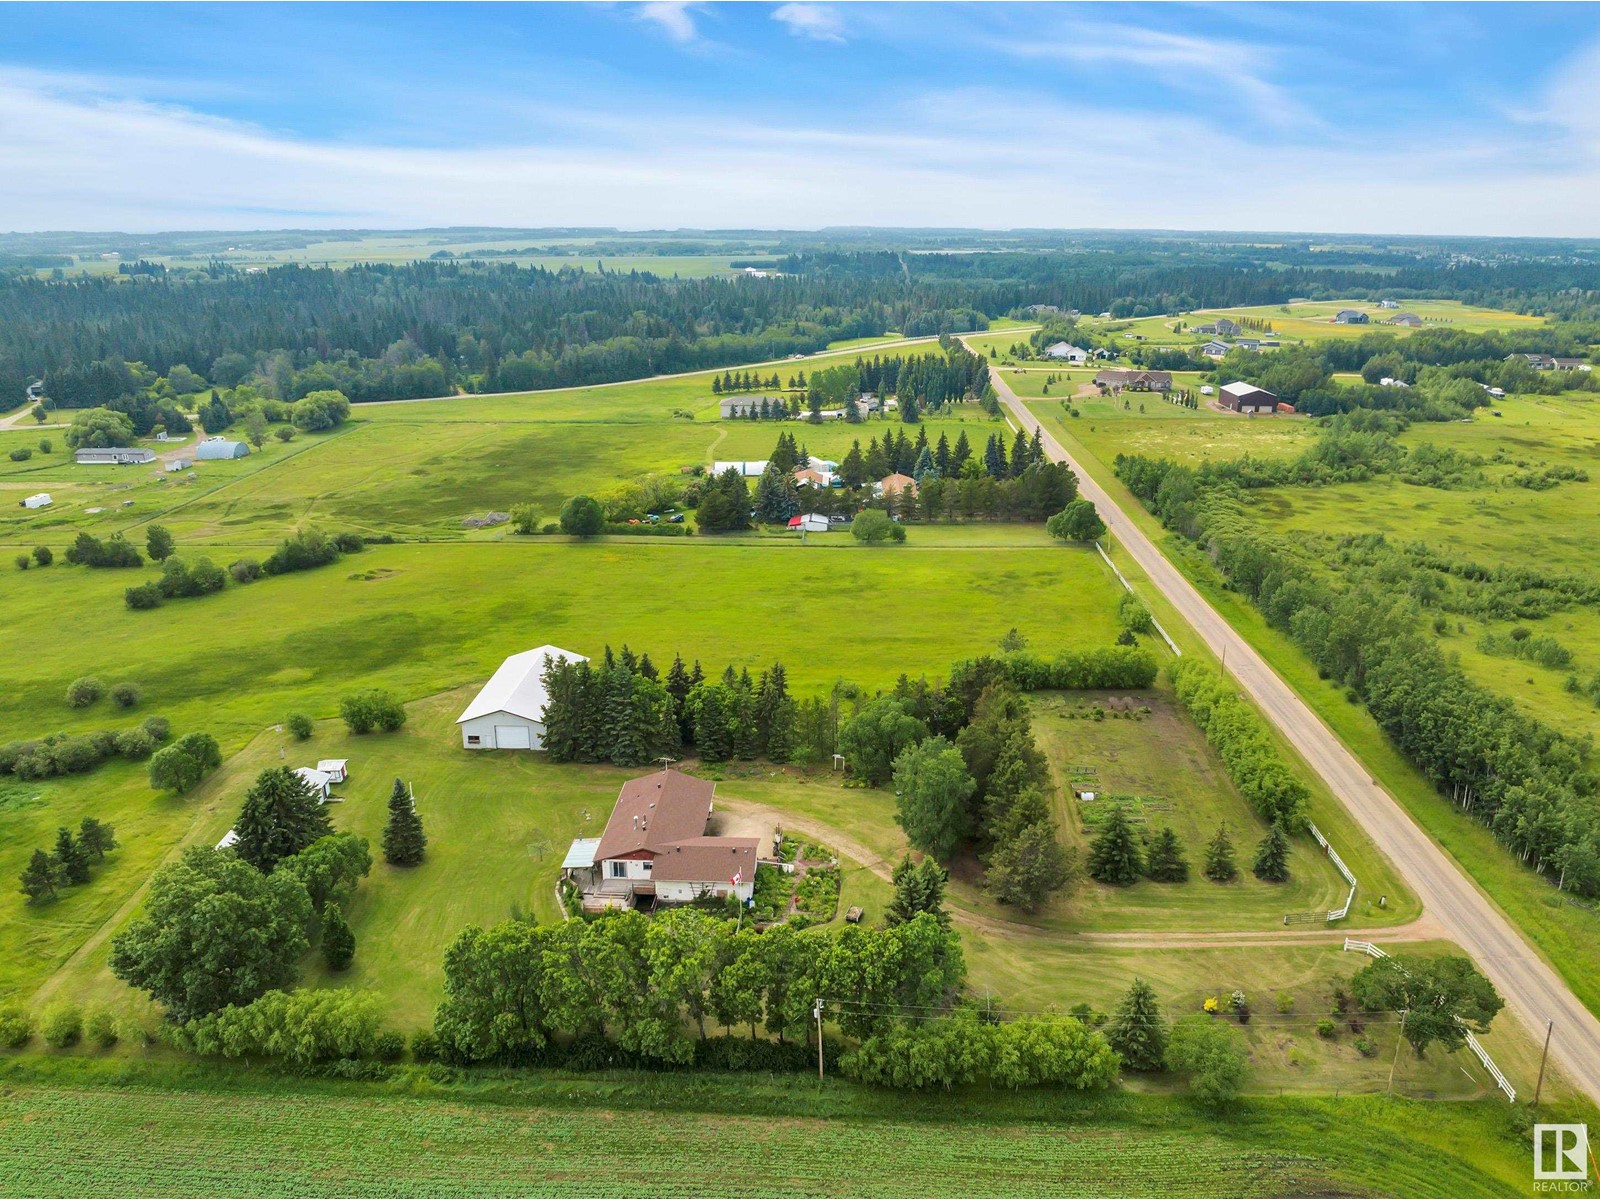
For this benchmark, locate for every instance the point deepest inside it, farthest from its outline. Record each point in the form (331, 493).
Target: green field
(86, 1132)
(1565, 932)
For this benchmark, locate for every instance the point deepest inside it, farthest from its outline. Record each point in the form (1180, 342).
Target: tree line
(1358, 621)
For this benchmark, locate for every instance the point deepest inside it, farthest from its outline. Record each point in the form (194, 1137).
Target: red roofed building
(655, 849)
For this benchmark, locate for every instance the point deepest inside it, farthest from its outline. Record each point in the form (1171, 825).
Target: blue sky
(1427, 118)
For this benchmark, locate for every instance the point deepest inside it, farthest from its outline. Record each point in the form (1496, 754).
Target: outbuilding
(1247, 398)
(752, 469)
(220, 448)
(118, 456)
(336, 769)
(38, 500)
(508, 714)
(316, 780)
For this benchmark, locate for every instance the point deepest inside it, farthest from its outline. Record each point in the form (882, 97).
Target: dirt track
(1532, 988)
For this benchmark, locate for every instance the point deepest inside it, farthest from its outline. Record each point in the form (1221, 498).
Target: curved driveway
(1532, 988)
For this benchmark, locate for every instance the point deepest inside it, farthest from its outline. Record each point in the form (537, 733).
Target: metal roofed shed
(220, 448)
(508, 713)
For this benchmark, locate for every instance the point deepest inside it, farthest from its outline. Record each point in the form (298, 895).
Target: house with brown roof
(1409, 320)
(1119, 378)
(656, 849)
(895, 485)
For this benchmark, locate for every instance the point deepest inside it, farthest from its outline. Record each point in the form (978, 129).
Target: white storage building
(508, 714)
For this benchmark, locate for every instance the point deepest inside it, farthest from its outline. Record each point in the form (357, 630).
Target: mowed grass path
(726, 1135)
(423, 618)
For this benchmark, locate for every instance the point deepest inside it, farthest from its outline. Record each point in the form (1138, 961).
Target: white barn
(508, 714)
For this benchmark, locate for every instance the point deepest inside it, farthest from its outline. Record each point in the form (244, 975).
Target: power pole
(817, 1012)
(1549, 1027)
(1398, 1038)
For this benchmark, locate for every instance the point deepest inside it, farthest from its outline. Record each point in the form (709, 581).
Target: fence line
(1128, 587)
(1473, 1043)
(1336, 914)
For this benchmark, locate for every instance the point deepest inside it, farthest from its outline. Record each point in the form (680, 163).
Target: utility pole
(817, 1012)
(1549, 1027)
(1398, 1038)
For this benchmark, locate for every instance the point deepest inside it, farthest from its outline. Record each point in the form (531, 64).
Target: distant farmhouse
(1247, 398)
(1221, 327)
(895, 485)
(220, 448)
(1116, 378)
(655, 849)
(1350, 316)
(121, 456)
(1212, 349)
(1066, 352)
(508, 714)
(1409, 320)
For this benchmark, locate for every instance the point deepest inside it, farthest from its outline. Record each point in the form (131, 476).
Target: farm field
(564, 1135)
(1564, 931)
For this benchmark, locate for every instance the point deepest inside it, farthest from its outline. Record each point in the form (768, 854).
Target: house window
(619, 870)
(473, 739)
(648, 863)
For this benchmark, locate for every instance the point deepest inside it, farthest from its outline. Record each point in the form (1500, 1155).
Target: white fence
(1336, 914)
(1122, 579)
(1473, 1043)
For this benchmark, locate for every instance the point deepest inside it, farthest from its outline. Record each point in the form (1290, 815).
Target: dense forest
(392, 332)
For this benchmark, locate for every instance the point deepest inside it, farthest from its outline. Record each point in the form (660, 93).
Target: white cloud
(815, 21)
(85, 154)
(675, 18)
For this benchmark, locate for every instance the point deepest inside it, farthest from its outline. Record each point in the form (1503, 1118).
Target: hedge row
(1239, 736)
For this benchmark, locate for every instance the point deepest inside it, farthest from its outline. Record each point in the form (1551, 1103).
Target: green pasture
(83, 1127)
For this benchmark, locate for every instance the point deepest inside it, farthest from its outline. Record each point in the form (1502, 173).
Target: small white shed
(335, 769)
(508, 714)
(316, 780)
(38, 500)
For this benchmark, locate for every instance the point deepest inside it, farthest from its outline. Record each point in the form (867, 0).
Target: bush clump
(85, 691)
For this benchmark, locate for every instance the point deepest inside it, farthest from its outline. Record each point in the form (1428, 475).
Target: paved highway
(1534, 992)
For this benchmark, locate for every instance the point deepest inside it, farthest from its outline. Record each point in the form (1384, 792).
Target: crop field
(625, 1136)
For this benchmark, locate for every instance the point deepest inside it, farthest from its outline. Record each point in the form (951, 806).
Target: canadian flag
(737, 876)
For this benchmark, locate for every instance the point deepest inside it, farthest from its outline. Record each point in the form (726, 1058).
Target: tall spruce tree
(281, 816)
(338, 939)
(918, 888)
(1272, 855)
(1138, 1031)
(1165, 862)
(404, 843)
(71, 859)
(1114, 855)
(1028, 864)
(39, 877)
(1220, 866)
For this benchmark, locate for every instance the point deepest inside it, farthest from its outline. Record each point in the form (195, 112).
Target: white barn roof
(518, 686)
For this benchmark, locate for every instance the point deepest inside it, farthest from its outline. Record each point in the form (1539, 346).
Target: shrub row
(1239, 736)
(70, 754)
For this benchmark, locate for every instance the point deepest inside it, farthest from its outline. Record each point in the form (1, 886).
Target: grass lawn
(84, 1129)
